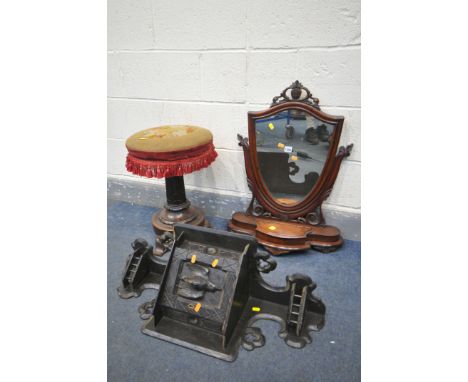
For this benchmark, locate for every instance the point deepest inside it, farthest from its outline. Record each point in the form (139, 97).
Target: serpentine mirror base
(279, 237)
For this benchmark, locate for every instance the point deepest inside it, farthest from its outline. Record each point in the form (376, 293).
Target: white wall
(208, 62)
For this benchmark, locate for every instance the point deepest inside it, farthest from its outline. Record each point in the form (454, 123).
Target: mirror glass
(292, 148)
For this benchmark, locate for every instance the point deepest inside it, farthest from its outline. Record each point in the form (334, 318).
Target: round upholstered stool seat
(167, 151)
(171, 152)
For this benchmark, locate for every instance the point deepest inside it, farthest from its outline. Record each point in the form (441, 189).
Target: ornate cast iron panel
(210, 294)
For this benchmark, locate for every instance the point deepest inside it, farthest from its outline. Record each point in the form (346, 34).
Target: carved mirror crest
(292, 160)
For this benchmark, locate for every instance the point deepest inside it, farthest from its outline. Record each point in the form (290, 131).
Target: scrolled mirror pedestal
(279, 237)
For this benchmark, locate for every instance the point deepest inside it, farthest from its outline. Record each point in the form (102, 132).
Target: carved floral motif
(296, 92)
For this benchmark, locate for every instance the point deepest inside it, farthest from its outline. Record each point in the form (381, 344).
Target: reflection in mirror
(292, 148)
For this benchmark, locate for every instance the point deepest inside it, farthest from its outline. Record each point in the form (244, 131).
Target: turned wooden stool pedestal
(170, 152)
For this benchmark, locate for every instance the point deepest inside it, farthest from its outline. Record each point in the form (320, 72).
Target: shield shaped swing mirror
(292, 159)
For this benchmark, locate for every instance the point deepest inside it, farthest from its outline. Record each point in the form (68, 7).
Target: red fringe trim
(165, 169)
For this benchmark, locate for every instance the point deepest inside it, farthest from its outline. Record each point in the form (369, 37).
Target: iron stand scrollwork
(163, 243)
(211, 292)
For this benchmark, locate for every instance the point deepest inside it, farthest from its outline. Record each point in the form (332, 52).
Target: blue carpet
(333, 355)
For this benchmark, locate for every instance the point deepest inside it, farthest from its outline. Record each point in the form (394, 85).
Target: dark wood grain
(286, 236)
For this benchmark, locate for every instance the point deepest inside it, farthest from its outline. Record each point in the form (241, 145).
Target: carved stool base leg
(176, 210)
(164, 220)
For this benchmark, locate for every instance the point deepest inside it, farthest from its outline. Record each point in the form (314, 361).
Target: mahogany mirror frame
(305, 217)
